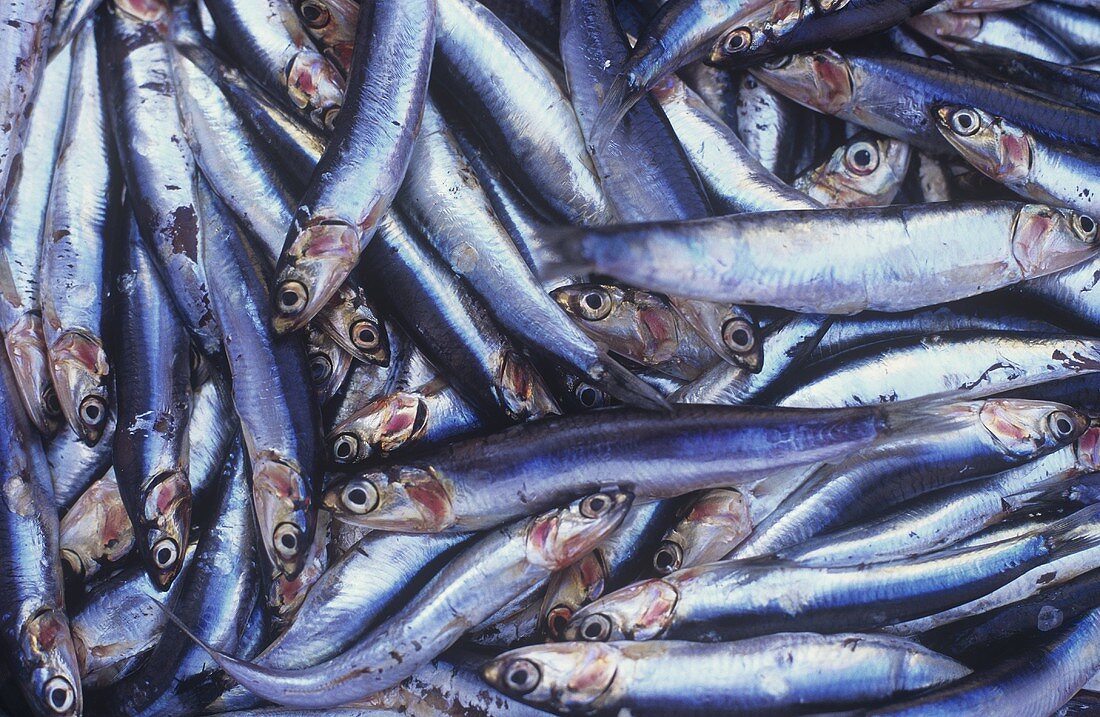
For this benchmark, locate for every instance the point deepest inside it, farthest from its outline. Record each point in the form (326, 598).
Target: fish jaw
(404, 499)
(560, 537)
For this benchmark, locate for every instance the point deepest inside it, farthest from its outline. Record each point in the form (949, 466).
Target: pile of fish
(515, 357)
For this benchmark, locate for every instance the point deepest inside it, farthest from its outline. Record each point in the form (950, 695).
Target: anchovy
(331, 24)
(711, 526)
(768, 123)
(74, 465)
(1076, 27)
(866, 171)
(329, 364)
(993, 30)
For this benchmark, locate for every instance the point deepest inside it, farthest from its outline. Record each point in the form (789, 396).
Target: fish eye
(293, 297)
(965, 122)
(594, 304)
(861, 158)
(1062, 425)
(314, 14)
(286, 539)
(596, 628)
(588, 396)
(1084, 227)
(596, 505)
(668, 558)
(365, 335)
(320, 368)
(59, 695)
(93, 411)
(778, 63)
(165, 553)
(739, 336)
(522, 676)
(557, 620)
(51, 402)
(737, 41)
(360, 497)
(345, 447)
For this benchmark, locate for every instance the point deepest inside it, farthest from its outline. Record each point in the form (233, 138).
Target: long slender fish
(33, 624)
(79, 222)
(364, 163)
(472, 586)
(773, 675)
(271, 392)
(839, 261)
(21, 228)
(996, 30)
(483, 482)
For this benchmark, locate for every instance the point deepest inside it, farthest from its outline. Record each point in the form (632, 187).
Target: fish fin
(559, 252)
(1075, 532)
(618, 381)
(186, 630)
(620, 97)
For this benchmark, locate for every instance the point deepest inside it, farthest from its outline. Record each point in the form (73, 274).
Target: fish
(866, 171)
(710, 527)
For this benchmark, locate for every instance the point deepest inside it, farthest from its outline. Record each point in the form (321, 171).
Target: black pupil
(51, 401)
(289, 298)
(164, 555)
(311, 13)
(593, 301)
(737, 41)
(592, 630)
(319, 369)
(58, 697)
(91, 411)
(358, 496)
(519, 677)
(588, 396)
(1064, 426)
(343, 450)
(366, 336)
(557, 623)
(964, 121)
(1087, 223)
(741, 337)
(597, 504)
(863, 158)
(289, 541)
(664, 559)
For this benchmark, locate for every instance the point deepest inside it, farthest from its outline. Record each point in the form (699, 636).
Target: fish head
(641, 611)
(997, 149)
(866, 171)
(1029, 429)
(48, 667)
(580, 583)
(316, 87)
(382, 426)
(318, 258)
(710, 529)
(948, 27)
(630, 323)
(404, 498)
(564, 677)
(79, 369)
(752, 32)
(354, 321)
(523, 393)
(286, 594)
(1046, 240)
(821, 80)
(559, 537)
(143, 10)
(95, 532)
(281, 495)
(27, 351)
(166, 517)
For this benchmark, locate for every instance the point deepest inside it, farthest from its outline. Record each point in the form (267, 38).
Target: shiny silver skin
(710, 527)
(159, 166)
(21, 230)
(470, 588)
(610, 565)
(444, 202)
(367, 382)
(454, 329)
(1024, 162)
(222, 585)
(970, 439)
(866, 171)
(955, 364)
(945, 516)
(978, 5)
(773, 675)
(151, 456)
(74, 465)
(1039, 681)
(733, 599)
(515, 102)
(482, 482)
(767, 123)
(1077, 28)
(273, 47)
(69, 16)
(24, 39)
(117, 624)
(271, 392)
(33, 625)
(963, 31)
(364, 163)
(71, 284)
(735, 179)
(898, 262)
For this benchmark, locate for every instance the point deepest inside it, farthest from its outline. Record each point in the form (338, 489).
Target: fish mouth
(523, 393)
(315, 85)
(47, 653)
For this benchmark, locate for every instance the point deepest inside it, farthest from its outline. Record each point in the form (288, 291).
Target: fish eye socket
(557, 620)
(59, 695)
(360, 497)
(596, 505)
(522, 676)
(596, 628)
(1085, 227)
(320, 368)
(1061, 425)
(588, 396)
(737, 41)
(739, 336)
(93, 411)
(594, 304)
(314, 14)
(51, 402)
(365, 335)
(165, 553)
(669, 557)
(965, 122)
(293, 297)
(861, 158)
(287, 538)
(345, 447)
